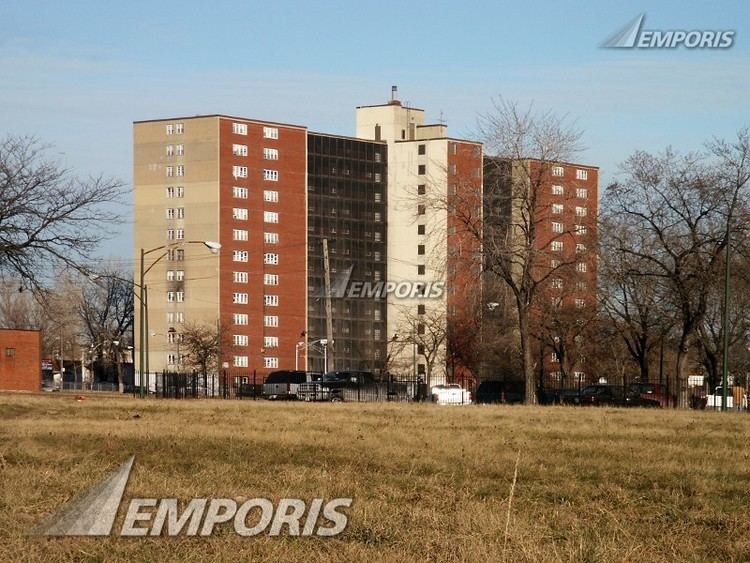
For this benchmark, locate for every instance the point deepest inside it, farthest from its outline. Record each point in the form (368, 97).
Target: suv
(614, 395)
(285, 384)
(337, 386)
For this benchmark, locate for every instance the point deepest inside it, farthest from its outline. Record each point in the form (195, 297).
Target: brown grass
(429, 483)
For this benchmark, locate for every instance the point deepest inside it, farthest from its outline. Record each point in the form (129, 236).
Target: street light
(324, 344)
(213, 246)
(297, 348)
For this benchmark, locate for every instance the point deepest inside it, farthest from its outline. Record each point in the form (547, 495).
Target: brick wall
(20, 360)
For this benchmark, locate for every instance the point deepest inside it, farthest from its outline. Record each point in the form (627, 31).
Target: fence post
(255, 388)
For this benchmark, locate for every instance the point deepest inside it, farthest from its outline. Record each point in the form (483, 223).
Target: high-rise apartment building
(392, 207)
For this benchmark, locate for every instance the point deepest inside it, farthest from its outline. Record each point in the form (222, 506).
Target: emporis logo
(343, 287)
(94, 512)
(633, 36)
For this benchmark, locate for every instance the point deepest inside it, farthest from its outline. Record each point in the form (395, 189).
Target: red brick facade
(291, 166)
(20, 360)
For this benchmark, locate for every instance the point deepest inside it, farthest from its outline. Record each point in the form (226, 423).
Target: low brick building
(20, 360)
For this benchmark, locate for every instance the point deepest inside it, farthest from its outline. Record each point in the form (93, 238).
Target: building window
(239, 213)
(271, 300)
(240, 255)
(270, 133)
(270, 362)
(580, 229)
(421, 149)
(420, 229)
(239, 171)
(179, 170)
(378, 197)
(558, 171)
(581, 267)
(452, 169)
(270, 279)
(240, 193)
(240, 277)
(175, 213)
(271, 154)
(271, 238)
(554, 358)
(580, 248)
(170, 129)
(581, 285)
(271, 175)
(170, 171)
(175, 317)
(270, 342)
(421, 169)
(554, 263)
(175, 255)
(420, 249)
(420, 269)
(175, 275)
(557, 227)
(175, 234)
(271, 258)
(557, 302)
(270, 217)
(557, 283)
(271, 321)
(557, 245)
(239, 150)
(240, 361)
(175, 191)
(271, 195)
(179, 150)
(10, 352)
(241, 318)
(579, 376)
(581, 211)
(580, 303)
(421, 189)
(557, 190)
(170, 150)
(582, 174)
(240, 339)
(239, 234)
(239, 128)
(240, 298)
(582, 193)
(557, 208)
(421, 209)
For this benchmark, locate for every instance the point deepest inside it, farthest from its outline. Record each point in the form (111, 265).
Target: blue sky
(76, 74)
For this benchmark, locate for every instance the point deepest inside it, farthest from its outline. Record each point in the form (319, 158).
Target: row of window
(268, 132)
(560, 228)
(581, 193)
(242, 172)
(268, 153)
(175, 150)
(243, 235)
(175, 128)
(243, 299)
(557, 283)
(558, 208)
(578, 376)
(268, 341)
(243, 362)
(579, 302)
(558, 245)
(269, 258)
(178, 170)
(580, 266)
(580, 174)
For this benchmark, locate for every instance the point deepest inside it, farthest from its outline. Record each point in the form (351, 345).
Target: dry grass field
(429, 483)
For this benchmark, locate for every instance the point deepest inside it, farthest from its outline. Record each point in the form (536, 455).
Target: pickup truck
(450, 394)
(285, 384)
(336, 386)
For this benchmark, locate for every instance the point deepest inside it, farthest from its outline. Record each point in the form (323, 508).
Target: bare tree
(48, 218)
(676, 213)
(105, 306)
(429, 332)
(527, 145)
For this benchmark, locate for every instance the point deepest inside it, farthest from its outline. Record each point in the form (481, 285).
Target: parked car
(653, 391)
(549, 396)
(495, 392)
(450, 394)
(613, 395)
(285, 384)
(340, 386)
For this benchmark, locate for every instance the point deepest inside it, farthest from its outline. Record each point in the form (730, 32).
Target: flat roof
(399, 105)
(221, 115)
(455, 139)
(563, 162)
(346, 137)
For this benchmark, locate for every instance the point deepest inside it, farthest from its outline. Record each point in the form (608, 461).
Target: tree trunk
(680, 386)
(527, 363)
(120, 382)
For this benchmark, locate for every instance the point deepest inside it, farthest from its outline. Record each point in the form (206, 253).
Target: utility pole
(329, 317)
(725, 320)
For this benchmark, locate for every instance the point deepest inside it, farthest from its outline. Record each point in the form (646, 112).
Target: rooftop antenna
(442, 120)
(394, 92)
